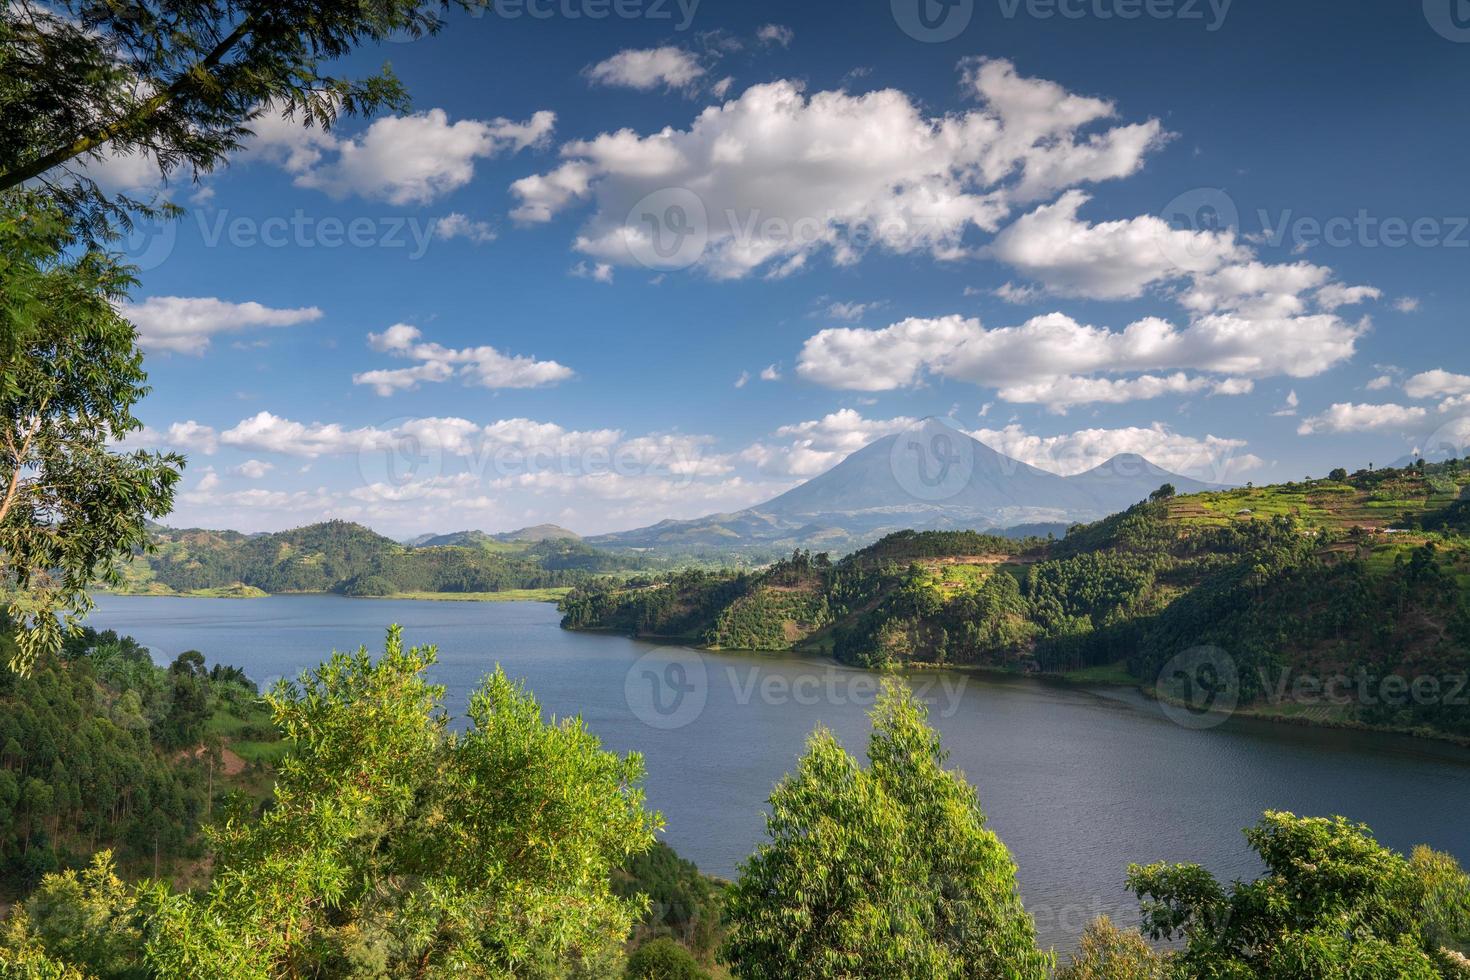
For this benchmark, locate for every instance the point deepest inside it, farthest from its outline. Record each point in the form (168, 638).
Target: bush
(663, 959)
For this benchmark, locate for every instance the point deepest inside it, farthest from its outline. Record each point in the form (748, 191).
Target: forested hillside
(100, 748)
(339, 556)
(1361, 577)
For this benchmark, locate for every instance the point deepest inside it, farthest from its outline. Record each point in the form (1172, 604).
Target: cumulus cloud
(399, 159)
(780, 175)
(1211, 458)
(1353, 417)
(483, 366)
(648, 68)
(1379, 383)
(1040, 360)
(185, 324)
(1107, 260)
(1431, 384)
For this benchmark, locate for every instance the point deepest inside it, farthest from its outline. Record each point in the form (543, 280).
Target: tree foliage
(70, 507)
(1332, 903)
(887, 871)
(395, 847)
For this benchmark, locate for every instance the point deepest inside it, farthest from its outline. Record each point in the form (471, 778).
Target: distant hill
(340, 556)
(929, 477)
(483, 539)
(1321, 579)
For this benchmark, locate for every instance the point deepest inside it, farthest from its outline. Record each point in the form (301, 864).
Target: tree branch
(90, 141)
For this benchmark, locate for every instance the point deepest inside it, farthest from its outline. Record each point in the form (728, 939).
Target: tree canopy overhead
(178, 81)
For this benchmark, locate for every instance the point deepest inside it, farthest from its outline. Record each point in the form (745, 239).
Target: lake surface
(1076, 782)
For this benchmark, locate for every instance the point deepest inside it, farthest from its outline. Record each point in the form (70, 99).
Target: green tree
(663, 959)
(1332, 903)
(1106, 952)
(69, 507)
(886, 872)
(1338, 475)
(396, 848)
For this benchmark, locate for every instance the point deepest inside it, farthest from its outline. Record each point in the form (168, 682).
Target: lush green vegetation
(338, 556)
(99, 748)
(1361, 582)
(392, 847)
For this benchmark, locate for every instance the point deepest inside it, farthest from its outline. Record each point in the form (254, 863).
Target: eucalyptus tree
(885, 871)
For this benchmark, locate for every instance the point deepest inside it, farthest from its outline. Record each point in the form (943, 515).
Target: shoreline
(1079, 679)
(507, 595)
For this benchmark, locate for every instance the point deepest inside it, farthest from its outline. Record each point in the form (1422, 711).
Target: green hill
(339, 556)
(1361, 584)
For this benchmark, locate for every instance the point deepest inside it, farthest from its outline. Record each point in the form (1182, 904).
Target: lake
(1076, 782)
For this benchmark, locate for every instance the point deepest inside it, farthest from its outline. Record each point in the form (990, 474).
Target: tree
(1338, 475)
(883, 872)
(1333, 903)
(1164, 492)
(1106, 952)
(663, 959)
(176, 81)
(396, 848)
(69, 507)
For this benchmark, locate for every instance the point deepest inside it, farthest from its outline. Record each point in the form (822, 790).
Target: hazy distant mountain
(930, 477)
(480, 539)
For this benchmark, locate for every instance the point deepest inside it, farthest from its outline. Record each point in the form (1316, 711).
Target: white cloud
(185, 324)
(743, 380)
(456, 225)
(648, 68)
(722, 88)
(272, 433)
(816, 446)
(1351, 417)
(1333, 295)
(192, 435)
(775, 34)
(1379, 383)
(782, 175)
(850, 311)
(252, 469)
(1429, 384)
(1011, 293)
(399, 159)
(1407, 304)
(771, 372)
(1035, 360)
(596, 271)
(483, 366)
(1107, 260)
(1212, 458)
(1289, 409)
(208, 480)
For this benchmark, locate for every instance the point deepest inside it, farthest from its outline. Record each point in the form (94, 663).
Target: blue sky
(1230, 236)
